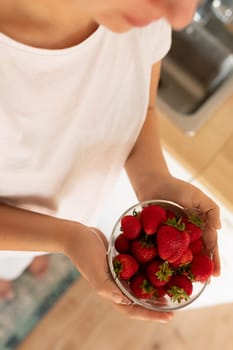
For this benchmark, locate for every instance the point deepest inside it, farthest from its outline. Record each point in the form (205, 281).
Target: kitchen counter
(208, 155)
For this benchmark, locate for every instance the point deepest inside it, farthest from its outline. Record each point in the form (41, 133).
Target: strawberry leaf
(196, 220)
(146, 286)
(176, 223)
(135, 212)
(117, 266)
(164, 272)
(177, 294)
(183, 269)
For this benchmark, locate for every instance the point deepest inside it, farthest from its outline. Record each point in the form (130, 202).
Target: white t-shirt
(69, 118)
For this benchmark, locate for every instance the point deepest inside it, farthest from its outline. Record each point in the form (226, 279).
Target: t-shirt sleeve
(161, 34)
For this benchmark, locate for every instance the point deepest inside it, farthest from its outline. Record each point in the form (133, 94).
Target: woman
(78, 81)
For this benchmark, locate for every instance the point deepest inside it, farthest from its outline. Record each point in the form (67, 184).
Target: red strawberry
(159, 292)
(196, 246)
(193, 227)
(122, 244)
(141, 287)
(201, 268)
(185, 258)
(172, 241)
(158, 273)
(125, 266)
(179, 288)
(169, 215)
(151, 217)
(130, 226)
(143, 250)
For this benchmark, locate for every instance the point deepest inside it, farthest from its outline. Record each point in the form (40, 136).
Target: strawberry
(131, 226)
(172, 241)
(122, 244)
(193, 226)
(143, 250)
(201, 268)
(179, 288)
(125, 266)
(159, 292)
(185, 258)
(196, 246)
(151, 217)
(169, 215)
(141, 287)
(158, 272)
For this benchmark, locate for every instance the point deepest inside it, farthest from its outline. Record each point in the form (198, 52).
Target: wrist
(151, 186)
(72, 236)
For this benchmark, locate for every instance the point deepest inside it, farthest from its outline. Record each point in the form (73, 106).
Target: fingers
(137, 312)
(210, 238)
(103, 284)
(216, 260)
(112, 293)
(102, 280)
(100, 235)
(213, 217)
(212, 223)
(211, 242)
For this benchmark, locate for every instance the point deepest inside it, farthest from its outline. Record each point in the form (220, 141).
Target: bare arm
(146, 160)
(85, 246)
(150, 178)
(25, 230)
(29, 231)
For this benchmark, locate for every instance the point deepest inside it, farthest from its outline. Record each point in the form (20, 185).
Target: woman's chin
(119, 29)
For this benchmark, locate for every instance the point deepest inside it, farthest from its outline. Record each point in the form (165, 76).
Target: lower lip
(137, 22)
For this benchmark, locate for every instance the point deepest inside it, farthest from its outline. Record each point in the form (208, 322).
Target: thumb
(111, 292)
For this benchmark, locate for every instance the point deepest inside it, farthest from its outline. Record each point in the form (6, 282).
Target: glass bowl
(164, 303)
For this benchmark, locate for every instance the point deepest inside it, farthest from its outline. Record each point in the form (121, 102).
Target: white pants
(13, 264)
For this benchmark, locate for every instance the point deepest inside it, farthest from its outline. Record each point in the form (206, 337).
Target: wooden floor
(83, 321)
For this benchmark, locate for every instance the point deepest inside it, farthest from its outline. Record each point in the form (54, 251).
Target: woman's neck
(54, 24)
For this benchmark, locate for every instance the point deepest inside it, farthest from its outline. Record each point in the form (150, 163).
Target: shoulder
(156, 37)
(152, 41)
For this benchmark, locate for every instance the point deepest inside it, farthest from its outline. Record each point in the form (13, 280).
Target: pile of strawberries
(159, 254)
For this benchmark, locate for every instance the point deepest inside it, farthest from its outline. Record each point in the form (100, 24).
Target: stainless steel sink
(197, 74)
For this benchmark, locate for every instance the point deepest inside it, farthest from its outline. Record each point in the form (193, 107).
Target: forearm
(146, 160)
(29, 231)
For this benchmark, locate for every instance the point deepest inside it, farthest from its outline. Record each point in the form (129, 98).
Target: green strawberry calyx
(146, 241)
(177, 294)
(146, 286)
(184, 269)
(165, 272)
(117, 266)
(177, 223)
(135, 213)
(196, 220)
(195, 216)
